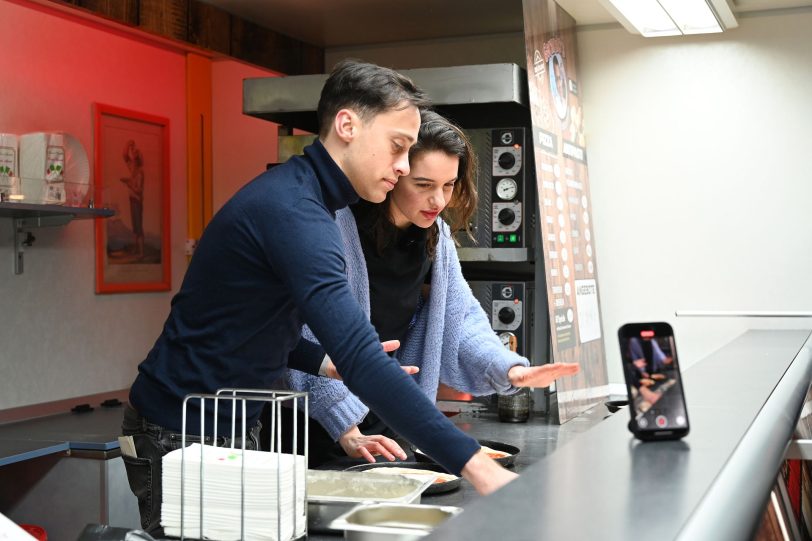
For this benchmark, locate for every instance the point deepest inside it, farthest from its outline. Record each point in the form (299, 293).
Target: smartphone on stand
(653, 381)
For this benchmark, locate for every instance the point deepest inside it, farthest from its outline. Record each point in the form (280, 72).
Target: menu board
(566, 225)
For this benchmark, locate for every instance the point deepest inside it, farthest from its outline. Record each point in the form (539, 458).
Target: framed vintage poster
(131, 174)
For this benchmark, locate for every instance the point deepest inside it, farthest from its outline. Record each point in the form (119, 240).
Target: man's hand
(358, 445)
(390, 345)
(486, 474)
(540, 376)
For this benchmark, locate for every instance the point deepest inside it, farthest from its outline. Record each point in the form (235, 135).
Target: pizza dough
(493, 453)
(439, 477)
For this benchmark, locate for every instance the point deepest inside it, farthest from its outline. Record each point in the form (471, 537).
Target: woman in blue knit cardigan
(403, 269)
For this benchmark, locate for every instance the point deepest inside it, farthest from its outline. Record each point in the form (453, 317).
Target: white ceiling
(337, 23)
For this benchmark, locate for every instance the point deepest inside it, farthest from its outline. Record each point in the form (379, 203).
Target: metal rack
(238, 399)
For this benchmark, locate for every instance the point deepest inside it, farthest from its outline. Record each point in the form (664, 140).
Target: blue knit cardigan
(451, 339)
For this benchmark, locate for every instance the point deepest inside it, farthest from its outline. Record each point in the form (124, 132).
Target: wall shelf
(30, 216)
(58, 213)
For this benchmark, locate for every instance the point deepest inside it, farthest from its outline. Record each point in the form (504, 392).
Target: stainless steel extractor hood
(476, 96)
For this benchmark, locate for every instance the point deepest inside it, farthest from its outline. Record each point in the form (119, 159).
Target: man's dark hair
(367, 89)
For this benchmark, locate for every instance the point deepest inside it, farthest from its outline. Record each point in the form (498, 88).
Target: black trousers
(152, 442)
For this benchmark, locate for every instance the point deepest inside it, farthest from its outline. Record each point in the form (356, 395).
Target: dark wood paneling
(168, 18)
(312, 59)
(209, 27)
(125, 11)
(264, 47)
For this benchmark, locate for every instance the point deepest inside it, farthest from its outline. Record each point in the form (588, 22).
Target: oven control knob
(507, 160)
(506, 315)
(506, 216)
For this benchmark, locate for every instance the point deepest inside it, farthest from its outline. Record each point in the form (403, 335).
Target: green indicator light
(514, 238)
(500, 238)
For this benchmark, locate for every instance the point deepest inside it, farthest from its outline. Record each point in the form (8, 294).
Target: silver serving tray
(333, 493)
(392, 522)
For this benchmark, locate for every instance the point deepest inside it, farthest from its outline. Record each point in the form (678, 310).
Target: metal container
(331, 494)
(392, 522)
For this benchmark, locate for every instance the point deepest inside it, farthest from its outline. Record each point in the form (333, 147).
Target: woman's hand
(541, 376)
(358, 445)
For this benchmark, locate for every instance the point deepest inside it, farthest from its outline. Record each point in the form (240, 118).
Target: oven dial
(506, 161)
(507, 315)
(506, 216)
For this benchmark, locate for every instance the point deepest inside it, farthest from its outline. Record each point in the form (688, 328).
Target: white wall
(59, 339)
(700, 171)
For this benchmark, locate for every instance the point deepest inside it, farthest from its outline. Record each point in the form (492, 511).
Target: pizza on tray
(439, 477)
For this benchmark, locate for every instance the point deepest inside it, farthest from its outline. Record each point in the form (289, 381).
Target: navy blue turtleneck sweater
(269, 260)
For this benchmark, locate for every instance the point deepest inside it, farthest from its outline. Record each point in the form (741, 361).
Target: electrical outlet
(191, 244)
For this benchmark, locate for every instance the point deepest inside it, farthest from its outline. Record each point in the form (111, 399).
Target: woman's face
(422, 194)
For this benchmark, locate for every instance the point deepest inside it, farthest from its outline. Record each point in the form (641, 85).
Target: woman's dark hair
(438, 134)
(367, 89)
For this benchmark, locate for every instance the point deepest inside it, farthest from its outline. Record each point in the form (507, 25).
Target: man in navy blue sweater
(272, 259)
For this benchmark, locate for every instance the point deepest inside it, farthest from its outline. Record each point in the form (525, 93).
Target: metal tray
(333, 493)
(392, 522)
(433, 488)
(507, 461)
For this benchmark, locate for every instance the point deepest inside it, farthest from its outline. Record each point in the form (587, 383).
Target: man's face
(378, 152)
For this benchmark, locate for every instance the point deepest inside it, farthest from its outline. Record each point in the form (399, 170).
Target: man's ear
(346, 125)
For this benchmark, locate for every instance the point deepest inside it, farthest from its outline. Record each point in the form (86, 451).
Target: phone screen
(652, 375)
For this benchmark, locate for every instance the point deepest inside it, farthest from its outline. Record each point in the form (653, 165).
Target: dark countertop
(17, 451)
(743, 403)
(96, 430)
(589, 478)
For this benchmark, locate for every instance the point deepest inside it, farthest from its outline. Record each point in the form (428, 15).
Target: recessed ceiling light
(652, 18)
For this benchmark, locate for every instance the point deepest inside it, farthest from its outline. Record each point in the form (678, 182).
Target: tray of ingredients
(333, 493)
